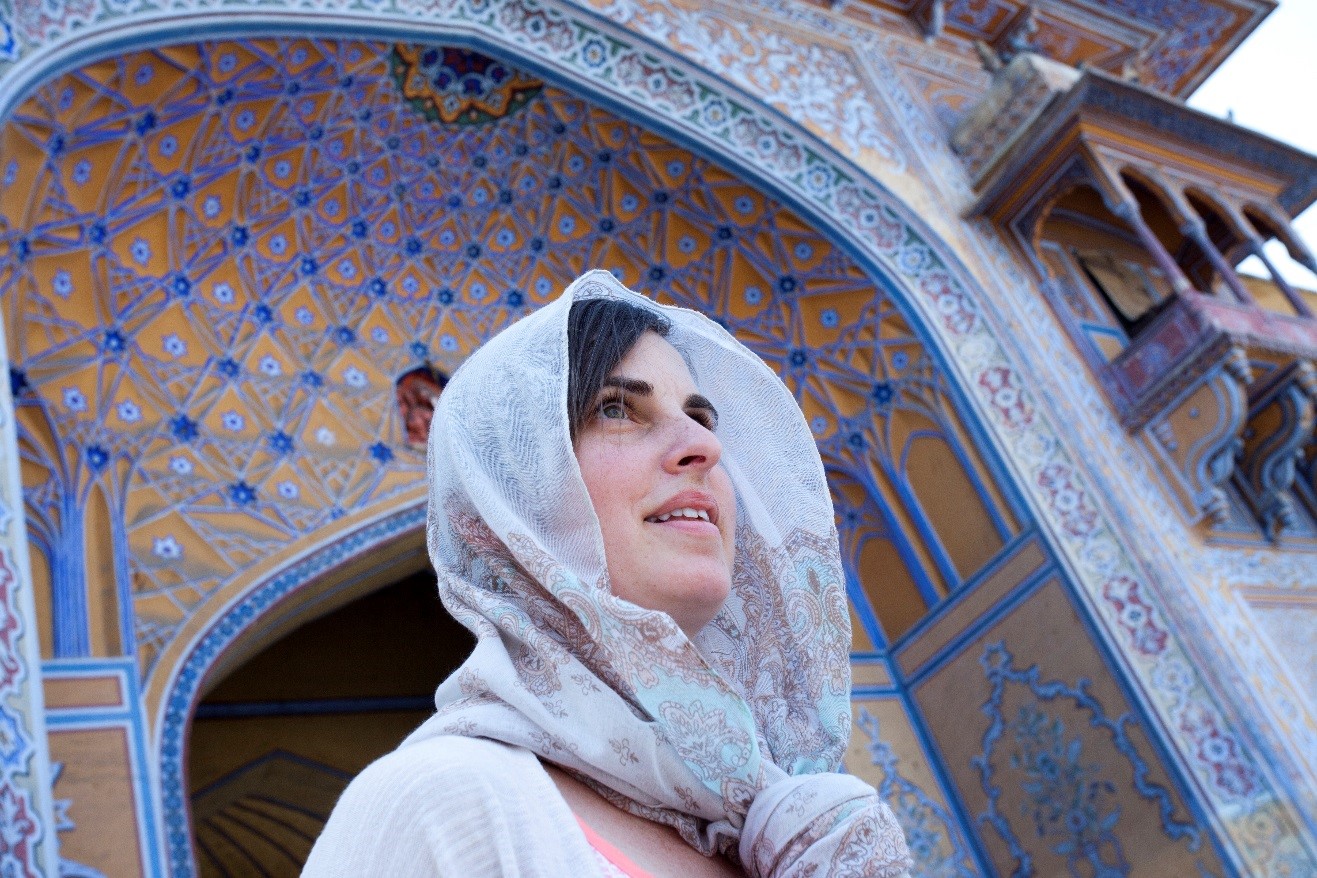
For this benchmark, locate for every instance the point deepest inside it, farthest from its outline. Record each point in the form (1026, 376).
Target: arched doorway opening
(290, 320)
(274, 743)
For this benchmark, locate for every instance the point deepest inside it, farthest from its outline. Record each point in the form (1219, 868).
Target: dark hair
(438, 376)
(600, 332)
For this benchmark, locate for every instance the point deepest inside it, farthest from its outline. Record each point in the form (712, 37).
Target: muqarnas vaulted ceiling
(217, 258)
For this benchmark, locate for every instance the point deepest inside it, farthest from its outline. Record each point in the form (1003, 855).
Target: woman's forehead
(653, 358)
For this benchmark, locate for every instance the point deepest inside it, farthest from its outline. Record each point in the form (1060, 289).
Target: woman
(627, 509)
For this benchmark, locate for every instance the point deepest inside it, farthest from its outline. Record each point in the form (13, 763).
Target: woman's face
(649, 458)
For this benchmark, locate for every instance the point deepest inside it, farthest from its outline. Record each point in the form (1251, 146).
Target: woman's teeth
(687, 512)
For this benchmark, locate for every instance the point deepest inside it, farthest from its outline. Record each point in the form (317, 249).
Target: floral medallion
(458, 86)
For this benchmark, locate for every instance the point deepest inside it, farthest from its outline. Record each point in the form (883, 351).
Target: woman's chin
(700, 599)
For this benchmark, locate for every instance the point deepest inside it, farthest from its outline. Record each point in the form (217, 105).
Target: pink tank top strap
(615, 863)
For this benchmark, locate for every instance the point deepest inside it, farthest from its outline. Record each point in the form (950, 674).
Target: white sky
(1267, 82)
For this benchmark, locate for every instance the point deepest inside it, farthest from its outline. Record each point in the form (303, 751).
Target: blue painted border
(130, 717)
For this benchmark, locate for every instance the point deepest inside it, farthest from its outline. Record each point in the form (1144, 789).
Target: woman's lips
(686, 506)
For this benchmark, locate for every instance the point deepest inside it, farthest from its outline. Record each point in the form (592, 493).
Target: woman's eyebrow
(630, 385)
(698, 401)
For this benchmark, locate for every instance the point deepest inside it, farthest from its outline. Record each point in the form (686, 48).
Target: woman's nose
(693, 447)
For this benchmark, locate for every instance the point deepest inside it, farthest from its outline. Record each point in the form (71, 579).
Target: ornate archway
(870, 242)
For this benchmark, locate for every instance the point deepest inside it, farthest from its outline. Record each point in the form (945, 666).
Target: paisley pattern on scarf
(733, 738)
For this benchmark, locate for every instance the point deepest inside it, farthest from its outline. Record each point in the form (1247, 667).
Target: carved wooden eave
(1039, 116)
(1172, 47)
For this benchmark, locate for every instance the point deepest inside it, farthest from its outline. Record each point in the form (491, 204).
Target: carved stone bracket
(1018, 96)
(1280, 422)
(1188, 385)
(1199, 436)
(1306, 480)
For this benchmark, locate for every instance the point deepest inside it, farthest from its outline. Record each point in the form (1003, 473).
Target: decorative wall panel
(1056, 769)
(97, 796)
(939, 296)
(104, 814)
(229, 268)
(885, 751)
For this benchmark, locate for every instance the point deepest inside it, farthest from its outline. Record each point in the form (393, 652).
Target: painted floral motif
(18, 833)
(11, 667)
(1069, 499)
(1230, 771)
(634, 70)
(1008, 396)
(950, 302)
(814, 83)
(1135, 614)
(932, 832)
(1035, 445)
(1073, 805)
(1071, 796)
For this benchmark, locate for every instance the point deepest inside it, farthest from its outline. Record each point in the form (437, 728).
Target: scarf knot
(822, 824)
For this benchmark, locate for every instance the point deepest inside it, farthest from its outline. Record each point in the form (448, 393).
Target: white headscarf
(733, 739)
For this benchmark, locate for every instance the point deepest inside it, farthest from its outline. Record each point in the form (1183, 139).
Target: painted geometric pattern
(753, 54)
(817, 84)
(877, 225)
(1192, 27)
(458, 86)
(222, 256)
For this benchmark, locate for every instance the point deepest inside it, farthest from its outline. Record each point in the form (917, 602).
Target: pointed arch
(701, 113)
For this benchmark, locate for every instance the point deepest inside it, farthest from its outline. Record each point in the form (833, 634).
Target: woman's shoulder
(449, 806)
(435, 763)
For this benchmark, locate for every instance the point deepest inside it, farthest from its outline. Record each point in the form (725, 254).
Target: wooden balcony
(1135, 210)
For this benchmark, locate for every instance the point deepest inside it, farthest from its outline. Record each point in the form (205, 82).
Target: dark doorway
(274, 744)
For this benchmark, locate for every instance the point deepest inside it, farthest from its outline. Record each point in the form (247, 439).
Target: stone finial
(991, 60)
(1018, 38)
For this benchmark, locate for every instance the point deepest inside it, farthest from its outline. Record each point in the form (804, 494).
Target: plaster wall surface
(1207, 636)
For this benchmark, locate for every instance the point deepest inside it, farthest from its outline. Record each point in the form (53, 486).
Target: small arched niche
(277, 739)
(1110, 284)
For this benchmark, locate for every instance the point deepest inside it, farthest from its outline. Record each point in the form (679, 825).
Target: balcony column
(1195, 230)
(1245, 231)
(1291, 295)
(1121, 201)
(1286, 234)
(1193, 227)
(1128, 210)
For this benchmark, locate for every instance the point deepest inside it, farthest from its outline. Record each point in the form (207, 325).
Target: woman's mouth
(685, 513)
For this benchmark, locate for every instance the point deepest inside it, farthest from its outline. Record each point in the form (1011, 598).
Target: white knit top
(453, 807)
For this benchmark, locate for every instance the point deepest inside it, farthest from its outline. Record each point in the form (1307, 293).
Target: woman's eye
(613, 410)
